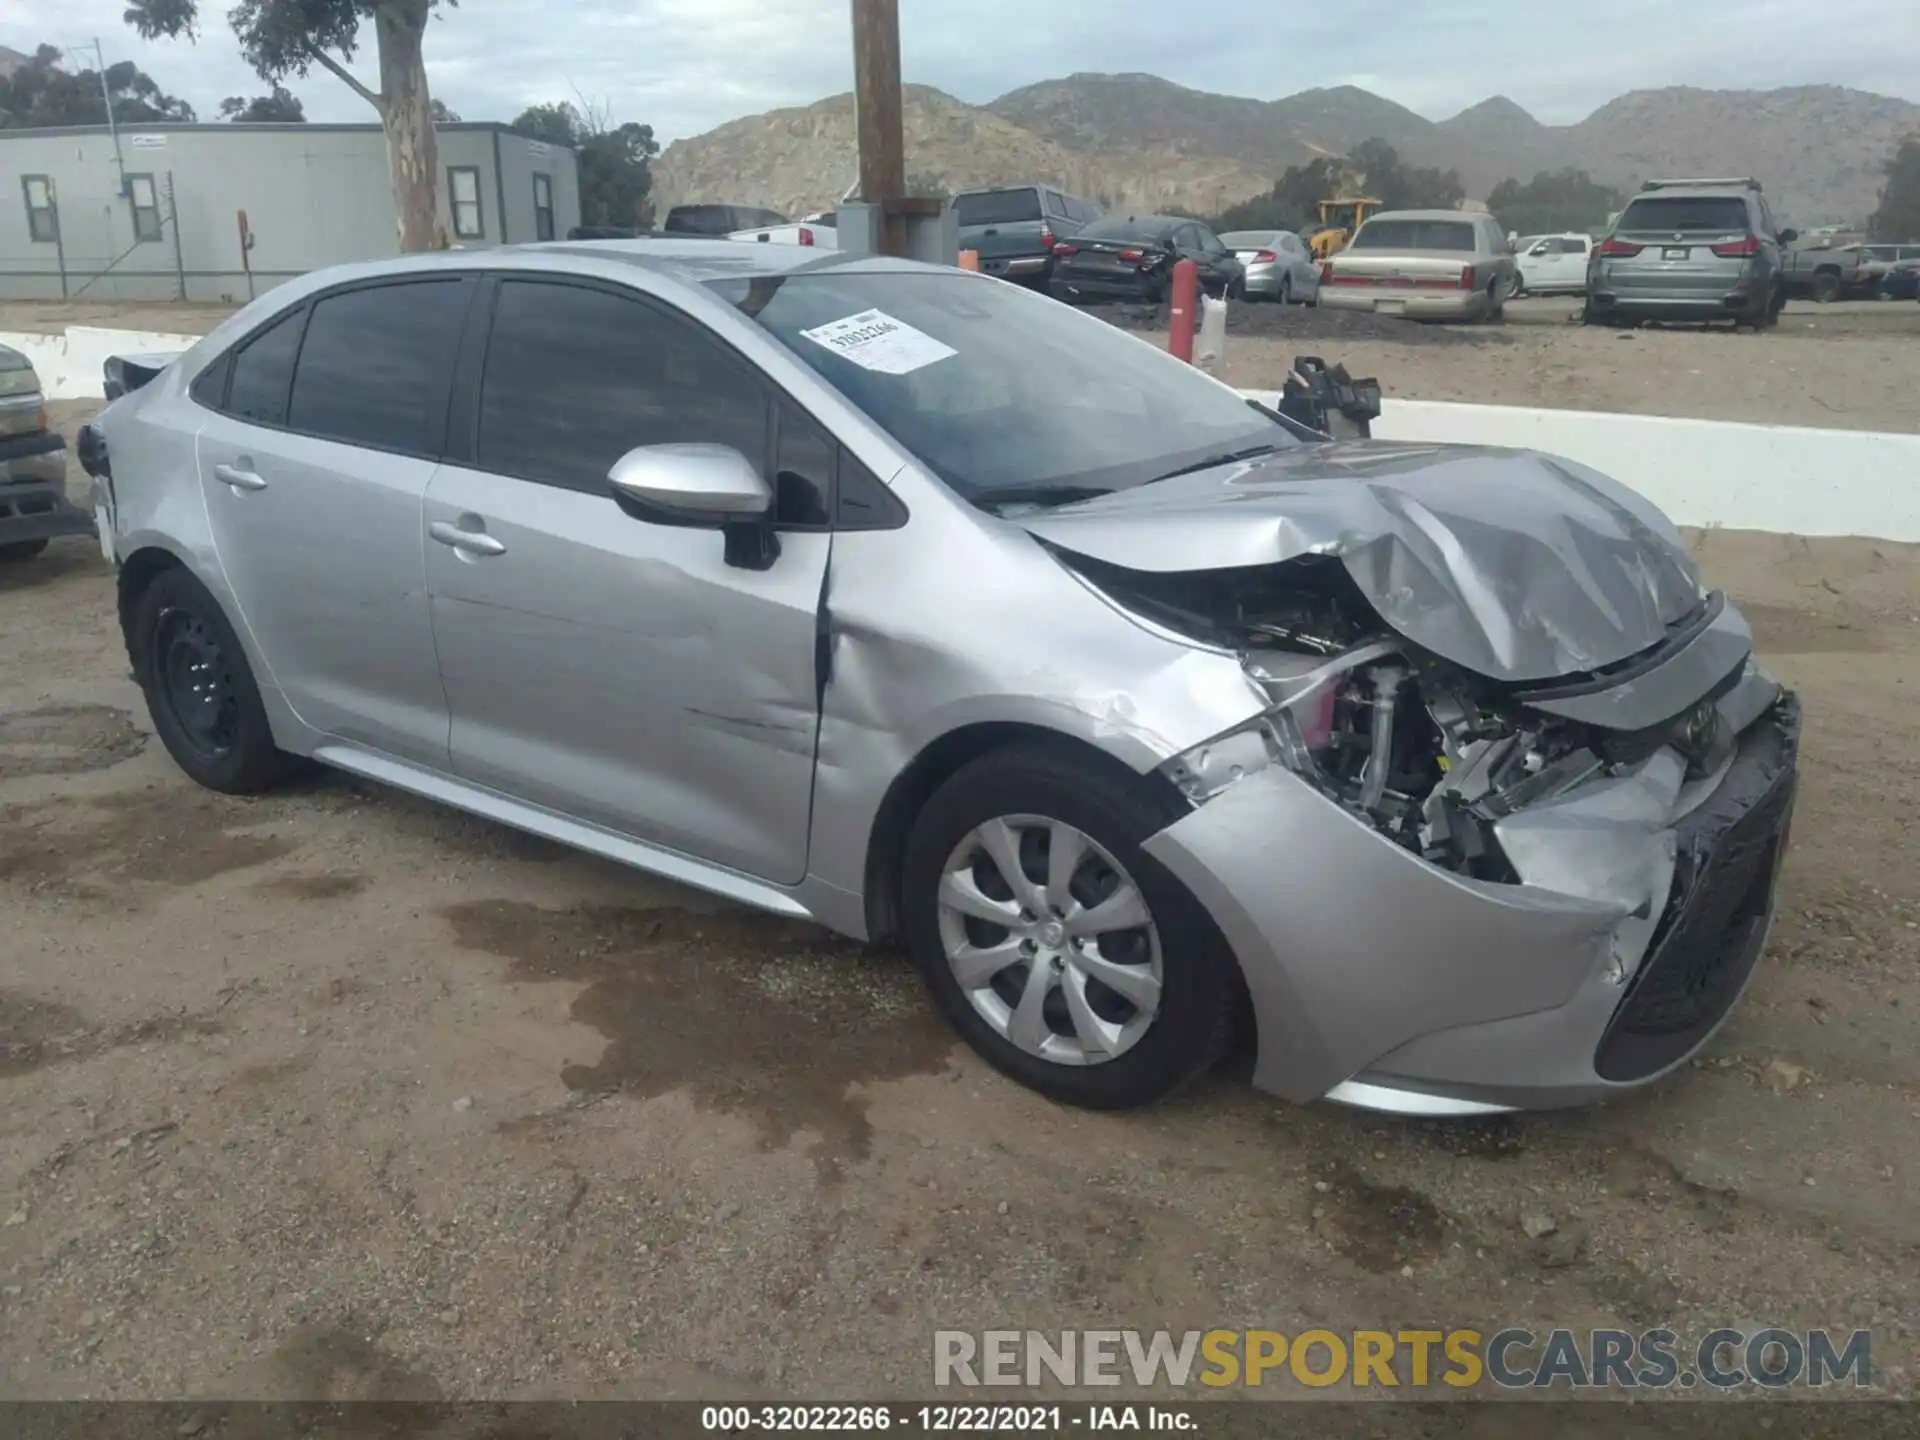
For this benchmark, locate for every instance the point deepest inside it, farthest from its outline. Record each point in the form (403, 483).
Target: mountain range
(1141, 142)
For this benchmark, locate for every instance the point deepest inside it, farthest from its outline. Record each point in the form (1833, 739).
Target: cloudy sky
(686, 65)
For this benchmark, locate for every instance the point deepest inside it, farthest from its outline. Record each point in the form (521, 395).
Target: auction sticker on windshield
(874, 340)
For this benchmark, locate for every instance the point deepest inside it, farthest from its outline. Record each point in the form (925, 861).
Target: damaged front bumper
(1380, 979)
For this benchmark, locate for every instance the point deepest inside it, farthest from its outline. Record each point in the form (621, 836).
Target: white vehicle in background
(816, 230)
(1554, 264)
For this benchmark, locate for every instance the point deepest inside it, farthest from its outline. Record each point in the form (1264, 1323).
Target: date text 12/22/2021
(947, 1419)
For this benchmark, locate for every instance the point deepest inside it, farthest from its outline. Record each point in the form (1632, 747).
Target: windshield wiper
(997, 496)
(1225, 457)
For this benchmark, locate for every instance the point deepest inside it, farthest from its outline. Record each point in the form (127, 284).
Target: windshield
(995, 388)
(1414, 235)
(1720, 214)
(997, 207)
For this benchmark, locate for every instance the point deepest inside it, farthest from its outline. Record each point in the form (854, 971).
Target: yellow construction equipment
(1338, 220)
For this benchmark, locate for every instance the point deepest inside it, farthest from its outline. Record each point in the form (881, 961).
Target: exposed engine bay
(1425, 751)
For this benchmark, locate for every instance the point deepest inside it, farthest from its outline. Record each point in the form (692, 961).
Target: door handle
(473, 542)
(238, 478)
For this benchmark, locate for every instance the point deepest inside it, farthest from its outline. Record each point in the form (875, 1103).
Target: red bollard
(1184, 315)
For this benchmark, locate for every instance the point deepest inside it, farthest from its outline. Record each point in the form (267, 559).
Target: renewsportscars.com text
(1512, 1358)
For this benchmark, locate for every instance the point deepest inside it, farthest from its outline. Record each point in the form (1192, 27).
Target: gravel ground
(1848, 366)
(335, 1094)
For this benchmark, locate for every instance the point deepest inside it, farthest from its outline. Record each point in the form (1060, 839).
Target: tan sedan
(1425, 265)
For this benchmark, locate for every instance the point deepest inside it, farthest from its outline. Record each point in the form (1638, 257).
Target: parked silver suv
(1690, 250)
(908, 601)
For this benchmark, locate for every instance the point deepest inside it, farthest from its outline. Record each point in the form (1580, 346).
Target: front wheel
(1063, 953)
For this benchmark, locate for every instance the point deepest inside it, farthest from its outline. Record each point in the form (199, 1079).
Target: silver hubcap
(1050, 940)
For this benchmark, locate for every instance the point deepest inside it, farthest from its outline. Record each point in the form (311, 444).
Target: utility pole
(106, 98)
(876, 98)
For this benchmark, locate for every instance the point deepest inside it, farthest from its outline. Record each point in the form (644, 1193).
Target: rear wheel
(1826, 287)
(21, 550)
(1061, 952)
(200, 690)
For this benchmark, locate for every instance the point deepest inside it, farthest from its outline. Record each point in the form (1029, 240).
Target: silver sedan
(911, 603)
(1278, 265)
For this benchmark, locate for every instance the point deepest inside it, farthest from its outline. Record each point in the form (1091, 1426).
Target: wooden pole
(876, 95)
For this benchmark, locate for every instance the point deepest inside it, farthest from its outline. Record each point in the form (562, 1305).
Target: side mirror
(1787, 237)
(690, 484)
(703, 487)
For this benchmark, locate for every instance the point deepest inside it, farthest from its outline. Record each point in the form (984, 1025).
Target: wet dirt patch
(1778, 630)
(66, 740)
(342, 1364)
(771, 1020)
(35, 1033)
(1378, 1227)
(336, 886)
(162, 837)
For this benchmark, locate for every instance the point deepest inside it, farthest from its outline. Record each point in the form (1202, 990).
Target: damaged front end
(1571, 810)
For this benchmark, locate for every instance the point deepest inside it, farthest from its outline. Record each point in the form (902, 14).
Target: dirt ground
(337, 1094)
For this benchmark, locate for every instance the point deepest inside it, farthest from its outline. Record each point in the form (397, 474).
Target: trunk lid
(1402, 269)
(1516, 565)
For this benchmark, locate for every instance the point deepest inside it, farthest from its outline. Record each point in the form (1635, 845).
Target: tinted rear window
(1415, 235)
(263, 373)
(1718, 213)
(1121, 227)
(375, 366)
(718, 219)
(997, 207)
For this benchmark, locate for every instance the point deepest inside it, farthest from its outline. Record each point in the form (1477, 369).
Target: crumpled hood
(1516, 565)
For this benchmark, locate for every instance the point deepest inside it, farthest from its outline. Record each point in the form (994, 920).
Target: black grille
(1711, 935)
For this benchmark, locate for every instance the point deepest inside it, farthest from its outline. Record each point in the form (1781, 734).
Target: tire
(1826, 287)
(21, 550)
(1047, 791)
(177, 639)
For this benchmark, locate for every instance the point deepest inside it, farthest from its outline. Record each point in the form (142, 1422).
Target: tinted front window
(991, 386)
(1721, 214)
(375, 366)
(575, 378)
(263, 373)
(1451, 235)
(997, 207)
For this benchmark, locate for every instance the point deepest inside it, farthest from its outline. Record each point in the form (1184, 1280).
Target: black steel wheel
(200, 690)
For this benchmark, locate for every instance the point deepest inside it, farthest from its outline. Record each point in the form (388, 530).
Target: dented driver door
(619, 671)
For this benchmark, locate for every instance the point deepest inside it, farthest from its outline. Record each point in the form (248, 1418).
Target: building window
(146, 207)
(463, 191)
(542, 206)
(43, 221)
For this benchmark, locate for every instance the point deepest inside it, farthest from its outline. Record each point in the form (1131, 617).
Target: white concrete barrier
(69, 364)
(1789, 479)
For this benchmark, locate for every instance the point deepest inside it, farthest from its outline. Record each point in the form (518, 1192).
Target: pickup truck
(33, 467)
(1013, 228)
(1826, 274)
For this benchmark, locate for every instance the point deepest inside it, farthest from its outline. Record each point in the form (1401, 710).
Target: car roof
(692, 260)
(1694, 192)
(1464, 215)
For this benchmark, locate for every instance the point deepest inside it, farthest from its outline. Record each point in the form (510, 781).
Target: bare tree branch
(321, 57)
